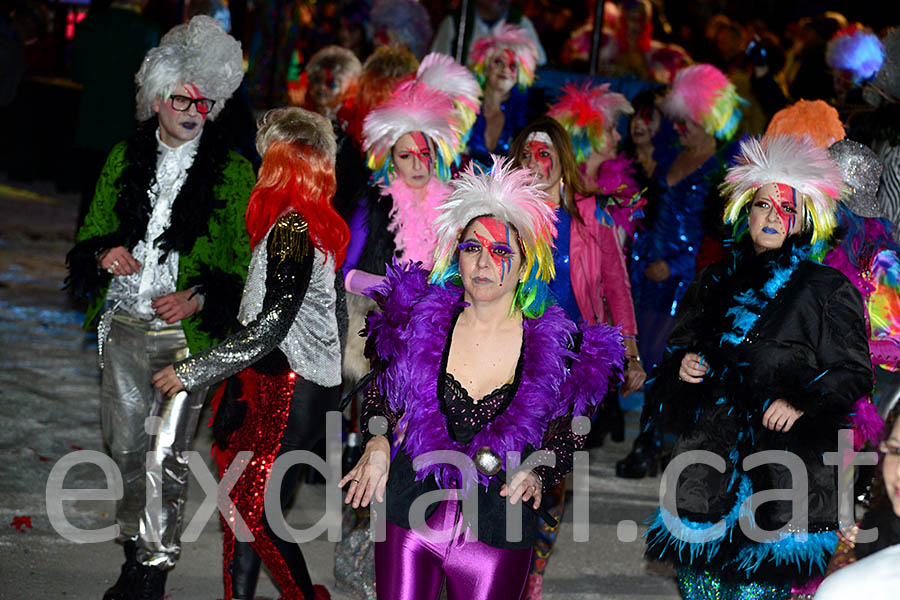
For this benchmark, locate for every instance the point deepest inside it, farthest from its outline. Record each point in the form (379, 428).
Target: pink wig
(506, 37)
(703, 94)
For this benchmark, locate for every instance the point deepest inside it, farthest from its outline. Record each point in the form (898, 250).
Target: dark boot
(152, 585)
(644, 457)
(126, 586)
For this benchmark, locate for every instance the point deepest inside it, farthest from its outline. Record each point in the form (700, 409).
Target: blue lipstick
(769, 230)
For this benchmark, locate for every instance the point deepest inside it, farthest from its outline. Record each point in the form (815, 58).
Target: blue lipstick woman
(769, 352)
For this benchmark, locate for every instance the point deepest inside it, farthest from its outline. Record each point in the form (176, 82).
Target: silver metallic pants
(148, 435)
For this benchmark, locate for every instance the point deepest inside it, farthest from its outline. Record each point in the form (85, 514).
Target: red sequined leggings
(285, 413)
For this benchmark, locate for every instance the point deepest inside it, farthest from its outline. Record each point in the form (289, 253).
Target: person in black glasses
(161, 259)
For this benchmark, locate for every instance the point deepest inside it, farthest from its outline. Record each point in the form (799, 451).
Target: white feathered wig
(511, 195)
(199, 53)
(440, 102)
(790, 160)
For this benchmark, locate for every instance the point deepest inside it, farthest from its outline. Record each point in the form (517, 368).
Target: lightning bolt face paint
(423, 149)
(195, 94)
(499, 247)
(774, 200)
(785, 200)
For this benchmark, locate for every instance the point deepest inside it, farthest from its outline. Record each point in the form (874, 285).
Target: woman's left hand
(780, 416)
(167, 382)
(525, 485)
(635, 376)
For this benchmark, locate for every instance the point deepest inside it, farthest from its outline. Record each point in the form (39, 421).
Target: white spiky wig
(445, 74)
(198, 53)
(511, 195)
(506, 37)
(790, 160)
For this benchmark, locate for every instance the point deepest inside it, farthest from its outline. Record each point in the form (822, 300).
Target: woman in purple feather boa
(468, 357)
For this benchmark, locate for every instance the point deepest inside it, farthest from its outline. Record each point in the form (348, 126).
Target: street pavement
(49, 408)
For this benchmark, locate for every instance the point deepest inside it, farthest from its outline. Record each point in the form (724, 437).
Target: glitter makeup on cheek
(500, 233)
(537, 149)
(423, 149)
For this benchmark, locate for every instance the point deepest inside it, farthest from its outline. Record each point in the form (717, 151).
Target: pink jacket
(597, 270)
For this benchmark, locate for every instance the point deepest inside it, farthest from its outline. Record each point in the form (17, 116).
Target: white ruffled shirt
(134, 294)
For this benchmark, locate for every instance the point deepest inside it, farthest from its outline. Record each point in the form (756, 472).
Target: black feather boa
(195, 202)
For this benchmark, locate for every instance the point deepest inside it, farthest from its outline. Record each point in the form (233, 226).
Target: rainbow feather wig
(506, 37)
(790, 160)
(703, 94)
(510, 195)
(584, 111)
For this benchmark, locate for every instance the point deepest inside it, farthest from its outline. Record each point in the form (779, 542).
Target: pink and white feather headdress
(441, 102)
(506, 37)
(441, 72)
(703, 94)
(790, 160)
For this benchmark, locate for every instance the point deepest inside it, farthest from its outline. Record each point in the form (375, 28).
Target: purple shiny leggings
(410, 566)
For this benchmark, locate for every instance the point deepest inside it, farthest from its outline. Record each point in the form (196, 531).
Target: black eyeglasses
(183, 103)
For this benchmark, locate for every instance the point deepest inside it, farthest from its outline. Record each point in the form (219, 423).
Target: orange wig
(299, 177)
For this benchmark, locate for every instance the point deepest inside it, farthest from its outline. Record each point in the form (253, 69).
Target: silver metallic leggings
(149, 454)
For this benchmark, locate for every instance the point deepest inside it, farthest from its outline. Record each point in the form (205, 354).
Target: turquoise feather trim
(691, 537)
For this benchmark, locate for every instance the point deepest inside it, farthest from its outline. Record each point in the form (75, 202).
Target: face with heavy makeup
(890, 467)
(413, 159)
(490, 260)
(179, 126)
(501, 72)
(325, 87)
(775, 213)
(541, 158)
(644, 125)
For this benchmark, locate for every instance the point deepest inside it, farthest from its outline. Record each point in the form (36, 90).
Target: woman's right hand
(118, 261)
(693, 368)
(370, 474)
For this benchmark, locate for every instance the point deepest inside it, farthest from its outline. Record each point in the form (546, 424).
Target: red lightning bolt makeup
(194, 93)
(423, 149)
(785, 199)
(498, 244)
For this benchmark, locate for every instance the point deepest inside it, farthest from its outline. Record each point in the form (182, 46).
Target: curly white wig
(199, 53)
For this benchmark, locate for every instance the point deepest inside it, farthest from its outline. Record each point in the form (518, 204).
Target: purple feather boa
(409, 335)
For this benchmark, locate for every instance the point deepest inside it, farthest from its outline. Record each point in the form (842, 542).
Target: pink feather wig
(506, 37)
(703, 94)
